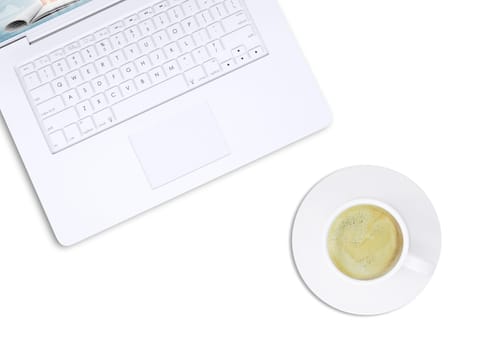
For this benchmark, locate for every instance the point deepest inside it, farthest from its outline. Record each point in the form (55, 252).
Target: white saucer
(373, 185)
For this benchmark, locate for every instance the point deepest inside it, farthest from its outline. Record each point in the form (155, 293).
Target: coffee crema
(365, 242)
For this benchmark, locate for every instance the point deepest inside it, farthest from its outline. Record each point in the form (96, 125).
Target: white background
(212, 269)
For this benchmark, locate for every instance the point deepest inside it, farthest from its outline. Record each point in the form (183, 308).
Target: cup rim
(390, 210)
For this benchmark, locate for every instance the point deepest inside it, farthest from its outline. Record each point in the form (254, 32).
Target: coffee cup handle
(419, 265)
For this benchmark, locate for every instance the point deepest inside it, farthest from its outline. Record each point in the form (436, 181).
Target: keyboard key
(84, 109)
(85, 91)
(195, 76)
(212, 67)
(71, 97)
(113, 95)
(235, 21)
(57, 140)
(128, 88)
(104, 118)
(86, 126)
(60, 120)
(32, 80)
(42, 93)
(98, 102)
(50, 107)
(72, 133)
(46, 74)
(232, 6)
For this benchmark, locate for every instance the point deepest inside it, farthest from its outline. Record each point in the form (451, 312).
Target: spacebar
(150, 98)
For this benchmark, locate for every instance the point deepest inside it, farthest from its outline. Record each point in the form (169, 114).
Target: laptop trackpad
(179, 144)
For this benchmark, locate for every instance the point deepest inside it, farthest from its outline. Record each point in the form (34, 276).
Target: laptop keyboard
(134, 64)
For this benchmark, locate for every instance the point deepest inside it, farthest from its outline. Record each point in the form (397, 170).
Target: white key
(72, 47)
(132, 52)
(113, 95)
(26, 69)
(72, 133)
(74, 78)
(57, 54)
(71, 97)
(117, 27)
(257, 52)
(171, 68)
(239, 51)
(99, 84)
(204, 18)
(190, 7)
(132, 34)
(57, 140)
(98, 102)
(85, 91)
(215, 48)
(242, 59)
(218, 11)
(128, 88)
(195, 76)
(118, 40)
(143, 64)
(133, 19)
(75, 60)
(104, 118)
(201, 55)
(147, 27)
(175, 31)
(232, 6)
(102, 34)
(186, 43)
(146, 13)
(201, 37)
(150, 98)
(118, 58)
(146, 45)
(60, 120)
(142, 82)
(176, 13)
(157, 75)
(228, 65)
(204, 4)
(212, 67)
(104, 47)
(41, 62)
(88, 72)
(172, 50)
(190, 25)
(186, 61)
(215, 30)
(114, 77)
(32, 80)
(162, 20)
(157, 57)
(128, 71)
(50, 107)
(60, 67)
(89, 54)
(245, 36)
(60, 85)
(235, 21)
(46, 74)
(103, 65)
(42, 93)
(88, 40)
(86, 126)
(84, 109)
(161, 6)
(160, 38)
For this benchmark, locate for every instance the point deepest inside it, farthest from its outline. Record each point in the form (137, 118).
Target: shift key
(50, 107)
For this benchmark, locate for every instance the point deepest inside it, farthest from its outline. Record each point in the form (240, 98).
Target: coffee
(365, 242)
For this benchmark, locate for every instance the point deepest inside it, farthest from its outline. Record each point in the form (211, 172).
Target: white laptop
(118, 106)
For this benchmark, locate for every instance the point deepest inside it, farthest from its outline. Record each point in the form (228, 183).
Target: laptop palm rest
(179, 144)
